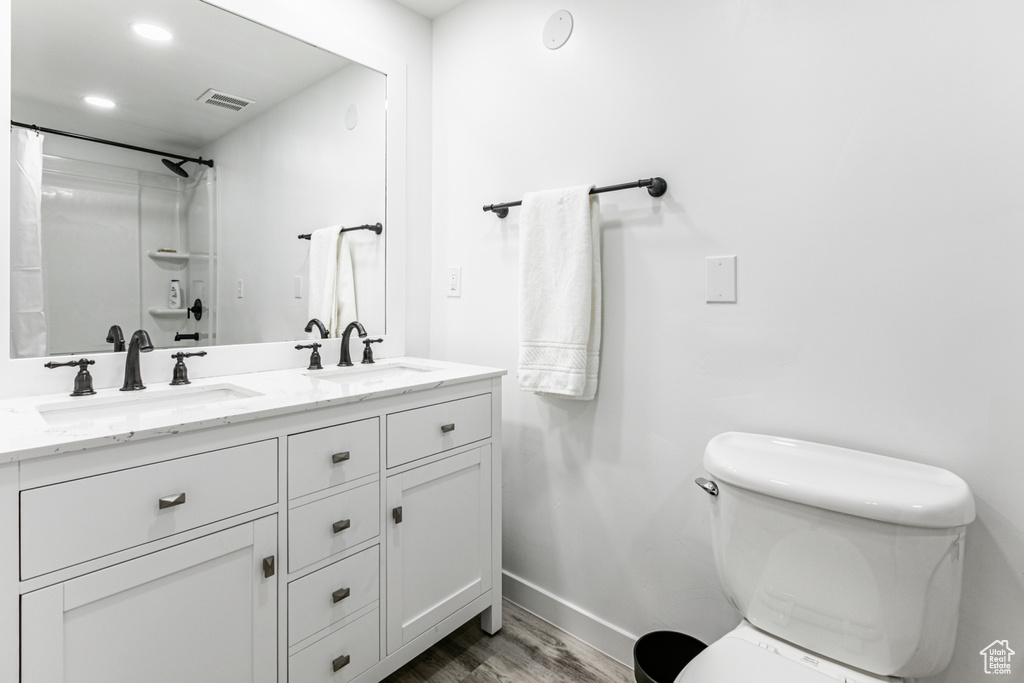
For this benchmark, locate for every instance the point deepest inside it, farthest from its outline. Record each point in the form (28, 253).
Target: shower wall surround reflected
(286, 164)
(109, 231)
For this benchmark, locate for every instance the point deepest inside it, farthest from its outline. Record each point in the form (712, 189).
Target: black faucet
(346, 357)
(319, 325)
(116, 337)
(132, 371)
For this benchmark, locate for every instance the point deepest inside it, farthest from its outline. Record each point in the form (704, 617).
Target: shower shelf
(169, 257)
(158, 312)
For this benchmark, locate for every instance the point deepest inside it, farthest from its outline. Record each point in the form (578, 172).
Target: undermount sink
(147, 404)
(360, 374)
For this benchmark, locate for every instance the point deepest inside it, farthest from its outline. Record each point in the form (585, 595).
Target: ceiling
(62, 51)
(430, 8)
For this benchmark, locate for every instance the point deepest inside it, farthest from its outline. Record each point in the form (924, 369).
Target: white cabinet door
(439, 546)
(200, 611)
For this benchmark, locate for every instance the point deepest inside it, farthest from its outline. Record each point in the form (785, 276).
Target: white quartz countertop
(47, 425)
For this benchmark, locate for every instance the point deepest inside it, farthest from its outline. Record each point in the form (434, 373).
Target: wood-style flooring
(527, 649)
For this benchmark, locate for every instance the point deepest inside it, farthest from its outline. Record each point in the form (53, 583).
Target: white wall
(864, 161)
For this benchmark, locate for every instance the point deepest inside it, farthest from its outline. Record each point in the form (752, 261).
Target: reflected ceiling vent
(224, 100)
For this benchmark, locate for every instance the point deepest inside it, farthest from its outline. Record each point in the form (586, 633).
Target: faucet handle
(83, 380)
(314, 358)
(368, 351)
(195, 310)
(180, 374)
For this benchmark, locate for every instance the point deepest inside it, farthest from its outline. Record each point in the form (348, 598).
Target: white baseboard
(577, 622)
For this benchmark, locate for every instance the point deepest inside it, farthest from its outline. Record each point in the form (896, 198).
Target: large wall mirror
(298, 140)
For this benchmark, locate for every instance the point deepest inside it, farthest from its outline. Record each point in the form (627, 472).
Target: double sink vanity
(290, 525)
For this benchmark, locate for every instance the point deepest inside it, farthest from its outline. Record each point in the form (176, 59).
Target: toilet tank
(854, 556)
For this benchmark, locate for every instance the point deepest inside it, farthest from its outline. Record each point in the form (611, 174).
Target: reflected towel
(331, 280)
(560, 293)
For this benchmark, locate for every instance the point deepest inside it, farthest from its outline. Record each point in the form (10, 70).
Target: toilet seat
(747, 655)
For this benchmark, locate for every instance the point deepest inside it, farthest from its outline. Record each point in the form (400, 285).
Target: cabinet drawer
(420, 432)
(352, 649)
(329, 595)
(311, 527)
(79, 520)
(327, 457)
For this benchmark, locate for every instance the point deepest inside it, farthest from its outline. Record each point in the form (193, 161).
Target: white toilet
(846, 566)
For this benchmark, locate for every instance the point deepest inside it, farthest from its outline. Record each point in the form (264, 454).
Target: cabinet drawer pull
(340, 457)
(396, 514)
(342, 525)
(341, 594)
(450, 427)
(171, 501)
(268, 567)
(340, 662)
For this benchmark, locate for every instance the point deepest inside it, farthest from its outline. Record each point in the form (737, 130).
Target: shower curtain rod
(655, 187)
(376, 227)
(53, 131)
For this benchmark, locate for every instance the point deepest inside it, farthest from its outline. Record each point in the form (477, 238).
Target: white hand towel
(346, 287)
(560, 293)
(331, 280)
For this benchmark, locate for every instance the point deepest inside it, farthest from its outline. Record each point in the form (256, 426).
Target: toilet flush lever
(709, 486)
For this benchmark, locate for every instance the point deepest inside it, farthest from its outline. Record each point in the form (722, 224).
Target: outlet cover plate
(454, 283)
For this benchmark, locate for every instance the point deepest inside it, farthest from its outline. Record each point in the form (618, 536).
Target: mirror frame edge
(25, 377)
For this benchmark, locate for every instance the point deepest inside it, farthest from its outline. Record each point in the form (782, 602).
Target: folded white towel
(560, 293)
(331, 280)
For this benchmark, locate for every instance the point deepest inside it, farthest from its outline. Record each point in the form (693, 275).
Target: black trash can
(659, 656)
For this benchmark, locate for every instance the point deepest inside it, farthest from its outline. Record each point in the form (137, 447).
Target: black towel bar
(376, 227)
(655, 187)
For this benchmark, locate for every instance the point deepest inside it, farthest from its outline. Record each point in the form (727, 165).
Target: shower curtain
(28, 321)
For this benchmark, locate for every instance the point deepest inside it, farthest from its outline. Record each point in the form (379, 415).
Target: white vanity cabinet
(318, 543)
(374, 594)
(439, 542)
(199, 611)
(143, 575)
(333, 618)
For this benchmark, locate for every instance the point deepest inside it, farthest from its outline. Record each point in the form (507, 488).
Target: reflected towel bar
(655, 187)
(376, 227)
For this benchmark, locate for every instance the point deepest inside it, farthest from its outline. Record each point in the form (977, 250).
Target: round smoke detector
(557, 29)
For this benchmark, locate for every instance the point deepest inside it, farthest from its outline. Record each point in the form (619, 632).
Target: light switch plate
(720, 279)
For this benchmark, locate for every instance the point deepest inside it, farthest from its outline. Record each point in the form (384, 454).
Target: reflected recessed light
(99, 101)
(152, 32)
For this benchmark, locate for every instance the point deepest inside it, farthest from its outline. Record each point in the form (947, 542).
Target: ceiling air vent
(224, 100)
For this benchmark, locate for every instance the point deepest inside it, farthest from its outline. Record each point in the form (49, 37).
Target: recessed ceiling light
(99, 101)
(152, 32)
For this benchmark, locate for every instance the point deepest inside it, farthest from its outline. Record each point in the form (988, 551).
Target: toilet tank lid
(840, 479)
